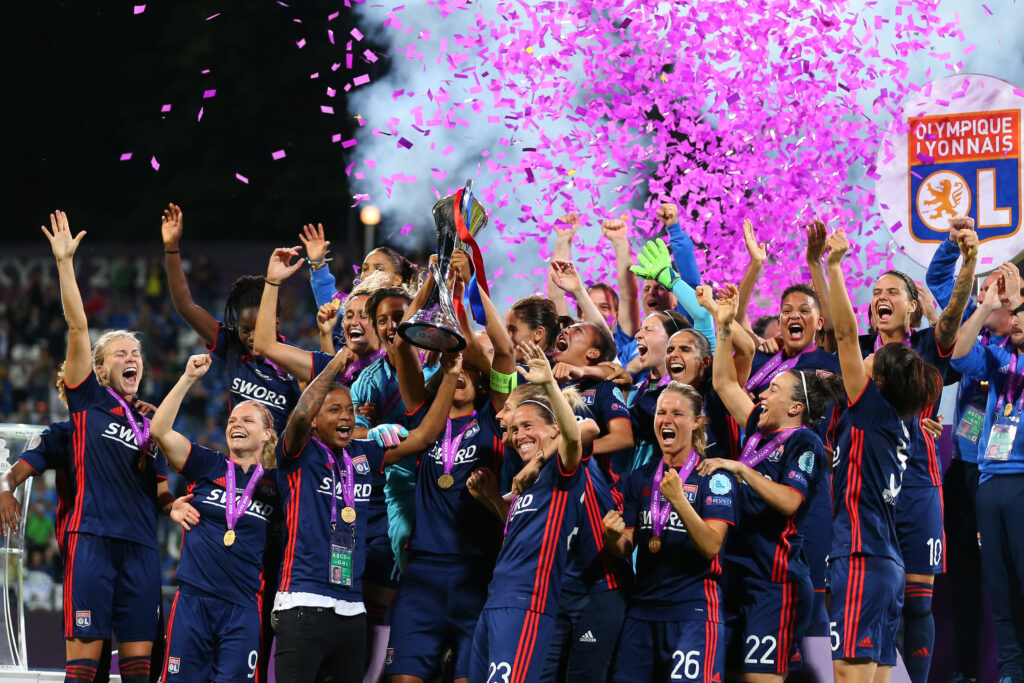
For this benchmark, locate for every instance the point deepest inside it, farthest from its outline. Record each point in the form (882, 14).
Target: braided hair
(245, 292)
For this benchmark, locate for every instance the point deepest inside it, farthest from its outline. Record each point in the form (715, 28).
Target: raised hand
(451, 363)
(567, 226)
(728, 306)
(758, 252)
(198, 365)
(172, 224)
(668, 214)
(672, 486)
(706, 299)
(183, 513)
(61, 241)
(313, 240)
(958, 224)
(462, 266)
(654, 262)
(815, 240)
(565, 276)
(1011, 283)
(388, 435)
(563, 372)
(837, 244)
(968, 242)
(615, 230)
(540, 368)
(282, 265)
(327, 316)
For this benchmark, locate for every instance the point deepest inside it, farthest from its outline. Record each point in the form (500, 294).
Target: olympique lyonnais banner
(956, 153)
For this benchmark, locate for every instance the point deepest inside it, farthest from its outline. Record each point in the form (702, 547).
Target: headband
(543, 406)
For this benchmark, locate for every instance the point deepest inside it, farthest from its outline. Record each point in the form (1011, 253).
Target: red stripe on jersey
(78, 457)
(854, 602)
(64, 504)
(292, 522)
(597, 529)
(549, 546)
(711, 598)
(170, 632)
(929, 442)
(524, 651)
(785, 628)
(853, 483)
(780, 564)
(69, 572)
(734, 438)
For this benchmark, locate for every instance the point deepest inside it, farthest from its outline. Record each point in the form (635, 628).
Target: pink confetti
(356, 34)
(348, 143)
(213, 16)
(279, 154)
(155, 164)
(242, 178)
(126, 156)
(207, 94)
(301, 43)
(200, 117)
(326, 109)
(165, 108)
(360, 80)
(139, 9)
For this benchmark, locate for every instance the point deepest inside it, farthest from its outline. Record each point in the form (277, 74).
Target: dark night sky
(85, 82)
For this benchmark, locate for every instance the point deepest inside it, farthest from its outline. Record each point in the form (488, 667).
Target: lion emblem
(945, 198)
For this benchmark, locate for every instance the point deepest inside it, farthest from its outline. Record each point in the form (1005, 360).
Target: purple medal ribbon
(233, 512)
(776, 365)
(508, 519)
(646, 384)
(348, 482)
(879, 344)
(358, 364)
(450, 447)
(1014, 380)
(141, 434)
(659, 512)
(752, 456)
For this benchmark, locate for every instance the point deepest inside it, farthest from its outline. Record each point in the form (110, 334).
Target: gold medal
(229, 537)
(445, 481)
(348, 515)
(654, 545)
(1007, 409)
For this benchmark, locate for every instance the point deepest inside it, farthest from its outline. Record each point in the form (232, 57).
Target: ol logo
(83, 618)
(173, 665)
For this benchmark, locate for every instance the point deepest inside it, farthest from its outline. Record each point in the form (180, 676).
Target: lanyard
(141, 433)
(348, 483)
(450, 447)
(776, 365)
(1014, 382)
(358, 364)
(233, 512)
(752, 456)
(879, 344)
(659, 512)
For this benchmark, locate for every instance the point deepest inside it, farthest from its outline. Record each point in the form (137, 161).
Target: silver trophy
(435, 326)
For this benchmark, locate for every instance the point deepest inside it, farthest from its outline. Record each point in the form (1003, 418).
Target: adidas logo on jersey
(588, 637)
(117, 410)
(865, 642)
(923, 652)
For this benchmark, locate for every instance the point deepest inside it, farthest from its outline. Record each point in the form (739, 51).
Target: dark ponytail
(905, 380)
(815, 389)
(536, 311)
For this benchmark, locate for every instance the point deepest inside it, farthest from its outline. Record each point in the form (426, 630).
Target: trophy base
(432, 337)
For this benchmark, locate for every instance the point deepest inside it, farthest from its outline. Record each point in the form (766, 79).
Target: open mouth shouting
(883, 312)
(239, 434)
(344, 431)
(461, 383)
(676, 369)
(130, 377)
(667, 436)
(641, 350)
(562, 343)
(355, 334)
(795, 331)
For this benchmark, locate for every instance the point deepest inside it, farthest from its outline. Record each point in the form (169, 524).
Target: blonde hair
(267, 456)
(699, 439)
(62, 391)
(536, 393)
(378, 279)
(99, 349)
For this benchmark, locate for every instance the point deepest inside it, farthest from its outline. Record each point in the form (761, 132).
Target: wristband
(502, 383)
(275, 284)
(172, 251)
(1019, 309)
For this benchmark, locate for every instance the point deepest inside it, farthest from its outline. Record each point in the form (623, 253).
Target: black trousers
(316, 645)
(960, 492)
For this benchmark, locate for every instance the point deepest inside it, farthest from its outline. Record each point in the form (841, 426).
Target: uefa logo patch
(173, 665)
(83, 618)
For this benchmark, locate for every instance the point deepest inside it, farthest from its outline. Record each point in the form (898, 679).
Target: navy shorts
(209, 639)
(586, 634)
(771, 620)
(919, 529)
(689, 650)
(380, 562)
(111, 586)
(867, 599)
(437, 607)
(510, 645)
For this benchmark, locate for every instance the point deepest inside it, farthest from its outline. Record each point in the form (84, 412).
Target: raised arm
(629, 292)
(300, 423)
(197, 317)
(940, 274)
(173, 445)
(79, 358)
(968, 335)
(295, 361)
(952, 315)
(743, 346)
(682, 246)
(570, 449)
(724, 378)
(320, 277)
(566, 228)
(407, 360)
(844, 320)
(758, 255)
(421, 438)
(654, 262)
(326, 319)
(566, 278)
(815, 249)
(504, 361)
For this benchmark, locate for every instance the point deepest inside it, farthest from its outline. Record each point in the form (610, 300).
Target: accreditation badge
(971, 425)
(1000, 441)
(343, 545)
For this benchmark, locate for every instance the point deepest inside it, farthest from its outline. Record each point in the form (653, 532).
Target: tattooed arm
(300, 422)
(952, 315)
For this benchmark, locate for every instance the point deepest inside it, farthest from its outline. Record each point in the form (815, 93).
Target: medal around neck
(446, 481)
(348, 514)
(229, 537)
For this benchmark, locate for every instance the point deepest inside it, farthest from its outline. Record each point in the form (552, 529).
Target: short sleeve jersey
(304, 481)
(232, 573)
(531, 564)
(115, 483)
(923, 467)
(592, 568)
(259, 381)
(677, 582)
(765, 542)
(51, 450)
(867, 474)
(811, 361)
(451, 522)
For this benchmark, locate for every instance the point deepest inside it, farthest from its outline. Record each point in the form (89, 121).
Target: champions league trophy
(435, 326)
(14, 439)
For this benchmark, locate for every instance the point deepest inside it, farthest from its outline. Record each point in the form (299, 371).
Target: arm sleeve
(199, 463)
(86, 394)
(703, 321)
(51, 452)
(362, 393)
(220, 343)
(977, 362)
(716, 499)
(684, 255)
(941, 276)
(323, 284)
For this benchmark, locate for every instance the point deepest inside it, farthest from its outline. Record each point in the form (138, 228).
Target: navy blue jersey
(252, 380)
(232, 573)
(811, 361)
(592, 568)
(992, 363)
(677, 582)
(867, 474)
(764, 541)
(304, 481)
(724, 434)
(115, 483)
(51, 450)
(605, 401)
(923, 467)
(451, 521)
(531, 564)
